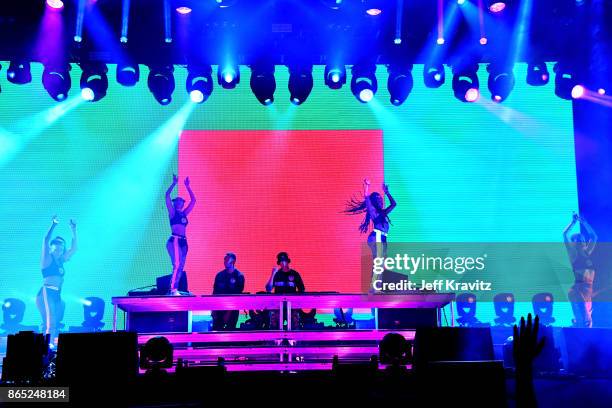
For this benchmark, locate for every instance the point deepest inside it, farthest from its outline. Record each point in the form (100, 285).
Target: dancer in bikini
(54, 256)
(177, 243)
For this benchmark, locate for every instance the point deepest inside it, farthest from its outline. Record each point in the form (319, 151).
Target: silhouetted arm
(526, 348)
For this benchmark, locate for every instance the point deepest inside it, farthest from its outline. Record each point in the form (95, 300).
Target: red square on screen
(262, 192)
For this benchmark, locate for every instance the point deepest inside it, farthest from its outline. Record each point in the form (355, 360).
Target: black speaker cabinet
(97, 358)
(452, 344)
(589, 351)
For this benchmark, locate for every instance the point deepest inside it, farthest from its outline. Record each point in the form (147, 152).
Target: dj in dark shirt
(284, 280)
(227, 282)
(288, 282)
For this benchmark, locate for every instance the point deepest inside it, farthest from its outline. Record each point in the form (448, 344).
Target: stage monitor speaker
(452, 344)
(97, 359)
(24, 361)
(163, 283)
(589, 351)
(464, 384)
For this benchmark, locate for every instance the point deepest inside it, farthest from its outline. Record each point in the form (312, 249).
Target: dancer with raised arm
(375, 212)
(54, 256)
(177, 243)
(579, 249)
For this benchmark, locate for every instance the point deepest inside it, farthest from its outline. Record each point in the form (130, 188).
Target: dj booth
(132, 304)
(282, 347)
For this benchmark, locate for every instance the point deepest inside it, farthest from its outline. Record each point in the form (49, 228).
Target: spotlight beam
(399, 13)
(80, 18)
(125, 18)
(167, 22)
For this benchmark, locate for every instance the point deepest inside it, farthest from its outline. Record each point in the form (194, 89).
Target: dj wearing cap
(227, 282)
(284, 280)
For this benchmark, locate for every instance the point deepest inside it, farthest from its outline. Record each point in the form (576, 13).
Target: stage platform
(412, 300)
(285, 348)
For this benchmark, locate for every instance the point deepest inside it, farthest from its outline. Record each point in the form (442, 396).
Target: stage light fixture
(199, 83)
(373, 7)
(399, 83)
(300, 83)
(263, 83)
(465, 83)
(56, 81)
(363, 82)
(93, 313)
(128, 74)
(601, 91)
(565, 81)
(537, 74)
(543, 308)
(578, 91)
(501, 82)
(332, 4)
(13, 311)
(440, 41)
(55, 4)
(460, 2)
(228, 76)
(394, 350)
(19, 73)
(225, 3)
(466, 311)
(94, 82)
(157, 353)
(503, 304)
(183, 10)
(472, 95)
(496, 6)
(433, 75)
(335, 76)
(161, 83)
